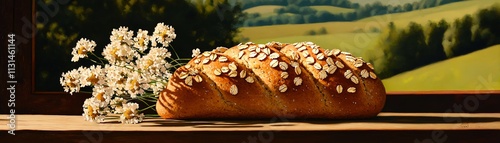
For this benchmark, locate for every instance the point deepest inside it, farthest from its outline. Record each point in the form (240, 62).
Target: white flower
(158, 86)
(134, 85)
(141, 41)
(122, 35)
(136, 67)
(102, 94)
(153, 65)
(83, 46)
(152, 39)
(119, 53)
(160, 53)
(196, 52)
(131, 114)
(71, 81)
(92, 76)
(92, 112)
(117, 105)
(164, 34)
(116, 77)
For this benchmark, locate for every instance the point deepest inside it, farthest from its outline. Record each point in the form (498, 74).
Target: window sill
(387, 127)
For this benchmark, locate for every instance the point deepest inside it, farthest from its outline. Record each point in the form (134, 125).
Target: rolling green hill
(393, 2)
(268, 10)
(279, 31)
(332, 9)
(479, 70)
(448, 12)
(263, 10)
(343, 41)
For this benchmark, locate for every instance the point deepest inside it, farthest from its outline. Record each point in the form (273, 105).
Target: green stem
(147, 108)
(112, 117)
(143, 101)
(152, 115)
(173, 49)
(99, 58)
(95, 61)
(183, 59)
(175, 61)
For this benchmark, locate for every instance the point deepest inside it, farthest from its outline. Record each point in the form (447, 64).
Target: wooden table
(387, 127)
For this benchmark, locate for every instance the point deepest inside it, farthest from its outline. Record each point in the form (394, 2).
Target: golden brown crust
(285, 80)
(249, 99)
(294, 100)
(181, 101)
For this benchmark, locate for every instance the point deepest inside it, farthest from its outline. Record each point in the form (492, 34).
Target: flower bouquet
(133, 68)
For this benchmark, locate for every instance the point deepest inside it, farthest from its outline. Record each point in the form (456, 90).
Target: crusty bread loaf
(299, 80)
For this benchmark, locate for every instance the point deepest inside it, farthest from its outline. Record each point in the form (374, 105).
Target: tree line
(300, 12)
(246, 4)
(404, 49)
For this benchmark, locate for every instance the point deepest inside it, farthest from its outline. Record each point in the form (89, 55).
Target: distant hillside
(332, 9)
(271, 12)
(391, 2)
(264, 10)
(480, 69)
(246, 4)
(448, 12)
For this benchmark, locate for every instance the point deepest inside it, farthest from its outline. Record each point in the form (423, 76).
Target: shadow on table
(245, 123)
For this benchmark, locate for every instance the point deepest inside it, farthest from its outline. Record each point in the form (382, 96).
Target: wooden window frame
(29, 101)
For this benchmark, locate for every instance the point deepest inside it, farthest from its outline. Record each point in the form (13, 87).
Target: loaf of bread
(299, 80)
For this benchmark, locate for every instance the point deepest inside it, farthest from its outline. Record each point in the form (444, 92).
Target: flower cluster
(132, 68)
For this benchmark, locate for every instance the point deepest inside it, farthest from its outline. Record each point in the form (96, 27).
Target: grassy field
(475, 71)
(392, 2)
(332, 9)
(264, 10)
(278, 31)
(355, 43)
(268, 10)
(448, 12)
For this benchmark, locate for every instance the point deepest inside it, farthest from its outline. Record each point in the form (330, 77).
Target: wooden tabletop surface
(385, 121)
(411, 127)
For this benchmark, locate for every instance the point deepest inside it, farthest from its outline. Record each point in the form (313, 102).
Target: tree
(310, 18)
(434, 50)
(322, 31)
(311, 32)
(407, 7)
(457, 40)
(279, 11)
(485, 29)
(381, 54)
(295, 19)
(402, 49)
